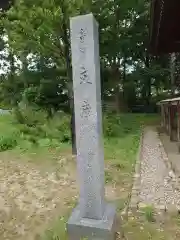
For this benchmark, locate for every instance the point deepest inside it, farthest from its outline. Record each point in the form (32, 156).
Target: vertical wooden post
(169, 119)
(173, 109)
(178, 122)
(162, 116)
(166, 117)
(173, 68)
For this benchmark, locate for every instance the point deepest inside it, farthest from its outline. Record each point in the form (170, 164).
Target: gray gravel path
(156, 186)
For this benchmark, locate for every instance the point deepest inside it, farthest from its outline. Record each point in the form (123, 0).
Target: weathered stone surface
(83, 228)
(92, 218)
(88, 115)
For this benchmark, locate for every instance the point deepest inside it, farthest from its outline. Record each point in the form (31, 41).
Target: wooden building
(170, 117)
(164, 28)
(164, 39)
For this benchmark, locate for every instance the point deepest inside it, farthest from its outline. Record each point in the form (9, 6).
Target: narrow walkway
(156, 186)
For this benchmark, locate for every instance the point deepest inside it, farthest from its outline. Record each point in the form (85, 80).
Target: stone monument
(93, 218)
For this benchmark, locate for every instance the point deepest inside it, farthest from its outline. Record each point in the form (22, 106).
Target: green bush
(30, 116)
(31, 138)
(111, 126)
(37, 129)
(25, 129)
(59, 126)
(18, 115)
(149, 213)
(119, 125)
(36, 126)
(46, 142)
(7, 143)
(30, 127)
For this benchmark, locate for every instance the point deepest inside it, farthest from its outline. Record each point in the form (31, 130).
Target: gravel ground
(156, 186)
(30, 198)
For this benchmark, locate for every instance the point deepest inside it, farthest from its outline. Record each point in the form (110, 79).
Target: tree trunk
(157, 91)
(69, 75)
(124, 92)
(24, 77)
(12, 76)
(117, 99)
(172, 66)
(116, 79)
(124, 73)
(148, 87)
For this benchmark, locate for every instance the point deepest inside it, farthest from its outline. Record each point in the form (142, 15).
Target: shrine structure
(165, 39)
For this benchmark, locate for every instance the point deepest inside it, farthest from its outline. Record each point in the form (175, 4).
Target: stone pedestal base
(89, 229)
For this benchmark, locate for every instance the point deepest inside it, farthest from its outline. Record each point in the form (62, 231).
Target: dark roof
(164, 29)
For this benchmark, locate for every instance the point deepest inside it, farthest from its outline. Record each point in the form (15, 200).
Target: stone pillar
(93, 218)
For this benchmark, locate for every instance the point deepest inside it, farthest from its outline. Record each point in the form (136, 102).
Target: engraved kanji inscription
(84, 76)
(90, 158)
(82, 35)
(82, 54)
(82, 50)
(90, 155)
(85, 109)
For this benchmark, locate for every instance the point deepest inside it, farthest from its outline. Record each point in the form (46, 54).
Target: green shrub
(49, 132)
(111, 126)
(31, 138)
(149, 213)
(46, 142)
(34, 131)
(40, 131)
(18, 115)
(119, 125)
(30, 116)
(7, 143)
(59, 128)
(23, 129)
(25, 145)
(46, 132)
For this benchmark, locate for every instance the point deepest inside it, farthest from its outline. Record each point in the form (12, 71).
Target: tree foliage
(39, 37)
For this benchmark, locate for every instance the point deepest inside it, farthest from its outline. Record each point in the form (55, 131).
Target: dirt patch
(31, 198)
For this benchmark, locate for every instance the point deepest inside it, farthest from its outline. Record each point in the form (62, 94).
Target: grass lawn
(121, 141)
